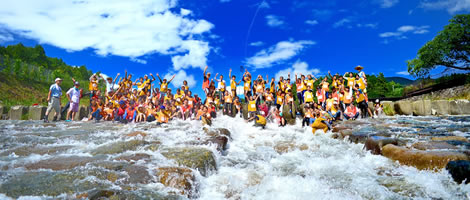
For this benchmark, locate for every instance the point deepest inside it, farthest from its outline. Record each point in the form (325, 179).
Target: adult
(206, 81)
(53, 99)
(74, 98)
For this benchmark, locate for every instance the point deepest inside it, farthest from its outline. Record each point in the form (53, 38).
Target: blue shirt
(56, 91)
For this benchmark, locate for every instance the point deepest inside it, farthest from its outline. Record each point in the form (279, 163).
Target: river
(81, 159)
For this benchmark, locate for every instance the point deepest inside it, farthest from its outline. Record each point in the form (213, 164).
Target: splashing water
(271, 163)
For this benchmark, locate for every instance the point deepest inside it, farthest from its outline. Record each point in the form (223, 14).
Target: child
(260, 121)
(109, 112)
(252, 106)
(228, 103)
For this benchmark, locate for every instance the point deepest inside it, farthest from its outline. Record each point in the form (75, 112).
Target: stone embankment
(426, 107)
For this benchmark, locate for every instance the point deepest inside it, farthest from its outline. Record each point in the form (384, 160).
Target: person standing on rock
(53, 99)
(74, 98)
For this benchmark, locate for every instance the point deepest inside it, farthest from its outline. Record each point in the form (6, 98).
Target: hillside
(400, 80)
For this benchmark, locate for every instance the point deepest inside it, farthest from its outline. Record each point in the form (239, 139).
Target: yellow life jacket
(259, 88)
(163, 87)
(246, 86)
(233, 85)
(360, 98)
(93, 86)
(279, 100)
(272, 87)
(261, 120)
(228, 98)
(310, 83)
(269, 97)
(308, 97)
(347, 97)
(329, 103)
(222, 86)
(251, 106)
(361, 84)
(350, 81)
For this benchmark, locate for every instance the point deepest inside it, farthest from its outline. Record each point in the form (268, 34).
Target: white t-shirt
(74, 95)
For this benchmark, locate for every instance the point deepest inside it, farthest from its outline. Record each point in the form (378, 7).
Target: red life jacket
(130, 112)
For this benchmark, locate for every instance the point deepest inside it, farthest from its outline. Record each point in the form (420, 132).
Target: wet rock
(403, 107)
(358, 137)
(285, 147)
(46, 183)
(62, 163)
(375, 143)
(82, 113)
(137, 174)
(217, 132)
(101, 194)
(37, 112)
(136, 133)
(220, 141)
(459, 107)
(41, 150)
(459, 143)
(119, 147)
(459, 170)
(196, 158)
(134, 157)
(115, 166)
(421, 159)
(389, 108)
(337, 129)
(245, 111)
(154, 146)
(422, 108)
(288, 115)
(433, 145)
(440, 107)
(18, 113)
(450, 138)
(178, 177)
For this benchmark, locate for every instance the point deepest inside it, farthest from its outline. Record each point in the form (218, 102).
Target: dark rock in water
(115, 166)
(119, 147)
(196, 158)
(421, 159)
(136, 133)
(432, 145)
(460, 170)
(217, 132)
(46, 183)
(375, 143)
(134, 157)
(459, 143)
(138, 174)
(28, 150)
(62, 163)
(101, 194)
(245, 111)
(288, 115)
(358, 137)
(220, 141)
(179, 178)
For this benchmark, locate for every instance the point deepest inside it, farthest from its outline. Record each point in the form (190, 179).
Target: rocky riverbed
(364, 159)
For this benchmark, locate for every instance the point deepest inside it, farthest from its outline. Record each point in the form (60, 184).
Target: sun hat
(57, 79)
(359, 67)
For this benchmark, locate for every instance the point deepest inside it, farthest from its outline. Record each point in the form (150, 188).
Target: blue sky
(270, 37)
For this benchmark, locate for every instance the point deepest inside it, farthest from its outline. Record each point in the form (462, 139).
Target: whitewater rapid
(272, 163)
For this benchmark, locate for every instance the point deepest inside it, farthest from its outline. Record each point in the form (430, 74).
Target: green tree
(450, 48)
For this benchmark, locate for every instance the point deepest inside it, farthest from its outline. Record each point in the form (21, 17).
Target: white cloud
(257, 44)
(402, 30)
(452, 6)
(404, 73)
(298, 67)
(274, 21)
(373, 26)
(311, 22)
(387, 3)
(341, 22)
(5, 37)
(181, 75)
(118, 27)
(137, 60)
(278, 53)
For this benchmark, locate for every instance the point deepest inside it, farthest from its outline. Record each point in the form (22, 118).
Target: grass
(26, 92)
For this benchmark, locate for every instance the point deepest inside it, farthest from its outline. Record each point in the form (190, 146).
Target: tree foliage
(450, 48)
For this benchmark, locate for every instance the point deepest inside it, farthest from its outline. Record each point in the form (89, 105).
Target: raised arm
(330, 75)
(205, 69)
(230, 73)
(153, 77)
(159, 78)
(114, 80)
(172, 78)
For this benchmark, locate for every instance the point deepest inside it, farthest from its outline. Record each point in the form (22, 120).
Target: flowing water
(65, 160)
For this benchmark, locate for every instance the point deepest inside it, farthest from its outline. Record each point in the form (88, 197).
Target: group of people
(317, 102)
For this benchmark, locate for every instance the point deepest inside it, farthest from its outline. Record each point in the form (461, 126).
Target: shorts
(74, 107)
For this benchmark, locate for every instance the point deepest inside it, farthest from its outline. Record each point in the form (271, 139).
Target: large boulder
(433, 145)
(459, 107)
(440, 107)
(389, 108)
(180, 178)
(403, 107)
(450, 138)
(41, 150)
(245, 110)
(375, 143)
(421, 159)
(220, 141)
(137, 174)
(422, 108)
(61, 163)
(197, 158)
(459, 170)
(118, 147)
(289, 114)
(82, 113)
(18, 113)
(37, 112)
(357, 137)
